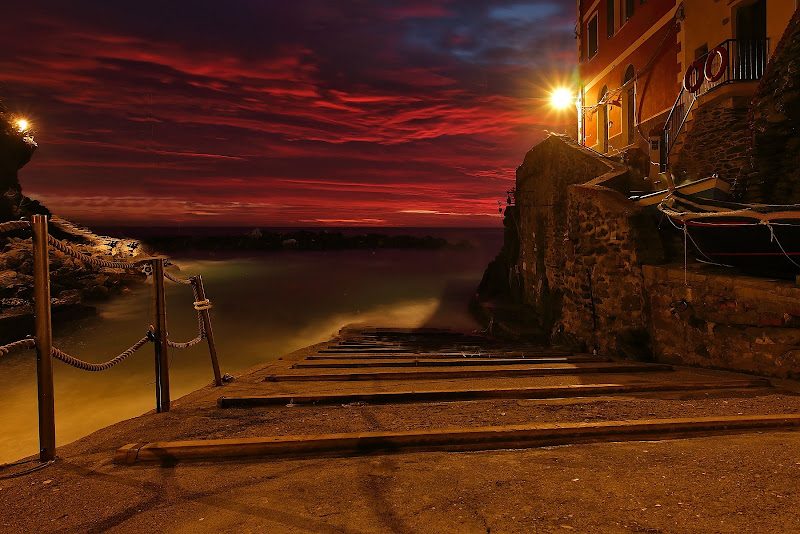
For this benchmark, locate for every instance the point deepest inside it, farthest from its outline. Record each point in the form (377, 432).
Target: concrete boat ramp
(391, 430)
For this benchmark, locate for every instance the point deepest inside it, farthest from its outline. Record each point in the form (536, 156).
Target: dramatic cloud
(282, 113)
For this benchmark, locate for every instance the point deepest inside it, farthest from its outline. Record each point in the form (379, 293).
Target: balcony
(738, 61)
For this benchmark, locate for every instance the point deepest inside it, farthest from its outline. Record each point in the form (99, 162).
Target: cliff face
(16, 148)
(772, 172)
(71, 282)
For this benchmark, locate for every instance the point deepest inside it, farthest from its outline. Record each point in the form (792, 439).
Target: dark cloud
(412, 112)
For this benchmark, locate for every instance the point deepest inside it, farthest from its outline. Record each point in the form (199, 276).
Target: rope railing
(42, 341)
(69, 251)
(22, 344)
(177, 280)
(87, 366)
(70, 228)
(10, 226)
(200, 306)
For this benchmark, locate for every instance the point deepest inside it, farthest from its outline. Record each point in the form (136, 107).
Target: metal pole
(160, 337)
(201, 295)
(44, 339)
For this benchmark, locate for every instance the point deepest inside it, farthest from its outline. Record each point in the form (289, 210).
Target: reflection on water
(264, 307)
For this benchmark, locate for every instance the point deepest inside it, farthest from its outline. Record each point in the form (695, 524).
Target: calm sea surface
(265, 305)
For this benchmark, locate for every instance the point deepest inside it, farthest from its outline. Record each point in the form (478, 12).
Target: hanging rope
(10, 226)
(177, 280)
(70, 228)
(69, 251)
(86, 366)
(199, 305)
(22, 344)
(773, 237)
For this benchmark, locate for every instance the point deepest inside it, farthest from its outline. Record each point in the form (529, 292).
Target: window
(592, 31)
(629, 9)
(610, 18)
(701, 51)
(629, 106)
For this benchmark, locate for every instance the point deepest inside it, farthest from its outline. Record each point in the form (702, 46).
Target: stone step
(472, 373)
(456, 362)
(482, 438)
(546, 392)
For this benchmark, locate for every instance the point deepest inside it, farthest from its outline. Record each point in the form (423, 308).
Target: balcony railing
(746, 62)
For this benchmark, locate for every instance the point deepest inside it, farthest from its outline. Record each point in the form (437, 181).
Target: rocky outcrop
(72, 282)
(772, 172)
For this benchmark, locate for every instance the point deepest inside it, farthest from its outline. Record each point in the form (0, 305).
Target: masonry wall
(716, 142)
(772, 174)
(541, 198)
(604, 299)
(592, 265)
(724, 320)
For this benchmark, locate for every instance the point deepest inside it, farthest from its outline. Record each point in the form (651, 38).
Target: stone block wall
(772, 173)
(541, 198)
(609, 237)
(724, 320)
(716, 142)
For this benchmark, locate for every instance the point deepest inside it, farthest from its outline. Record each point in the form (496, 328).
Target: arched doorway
(602, 122)
(629, 106)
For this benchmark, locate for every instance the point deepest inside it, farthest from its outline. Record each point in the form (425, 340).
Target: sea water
(265, 305)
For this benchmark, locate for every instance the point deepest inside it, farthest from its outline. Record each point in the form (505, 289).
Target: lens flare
(22, 125)
(562, 98)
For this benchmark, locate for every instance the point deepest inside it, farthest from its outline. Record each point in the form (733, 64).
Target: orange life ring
(697, 67)
(723, 64)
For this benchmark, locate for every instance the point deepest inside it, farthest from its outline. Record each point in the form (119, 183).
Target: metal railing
(43, 338)
(746, 62)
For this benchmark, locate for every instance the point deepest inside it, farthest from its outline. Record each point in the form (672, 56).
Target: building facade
(648, 66)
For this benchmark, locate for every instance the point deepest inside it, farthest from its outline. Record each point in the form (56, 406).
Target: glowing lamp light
(22, 125)
(562, 98)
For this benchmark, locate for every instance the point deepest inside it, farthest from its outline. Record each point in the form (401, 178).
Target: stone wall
(609, 238)
(723, 320)
(541, 199)
(772, 174)
(716, 142)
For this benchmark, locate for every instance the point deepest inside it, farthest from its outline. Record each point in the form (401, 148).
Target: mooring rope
(69, 251)
(86, 366)
(14, 225)
(22, 344)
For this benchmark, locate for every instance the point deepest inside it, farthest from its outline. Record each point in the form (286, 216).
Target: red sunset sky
(282, 113)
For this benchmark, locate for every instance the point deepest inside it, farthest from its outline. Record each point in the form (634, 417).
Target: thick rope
(186, 345)
(201, 331)
(22, 344)
(70, 228)
(177, 280)
(86, 366)
(201, 305)
(14, 225)
(69, 251)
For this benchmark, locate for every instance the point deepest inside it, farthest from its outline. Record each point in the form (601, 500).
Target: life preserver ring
(723, 64)
(698, 68)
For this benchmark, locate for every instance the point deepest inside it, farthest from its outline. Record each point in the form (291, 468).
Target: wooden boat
(758, 238)
(712, 187)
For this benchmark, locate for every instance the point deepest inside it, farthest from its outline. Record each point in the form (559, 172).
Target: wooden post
(160, 337)
(44, 339)
(201, 295)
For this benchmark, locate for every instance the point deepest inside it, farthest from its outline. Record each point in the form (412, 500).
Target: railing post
(201, 296)
(44, 339)
(160, 337)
